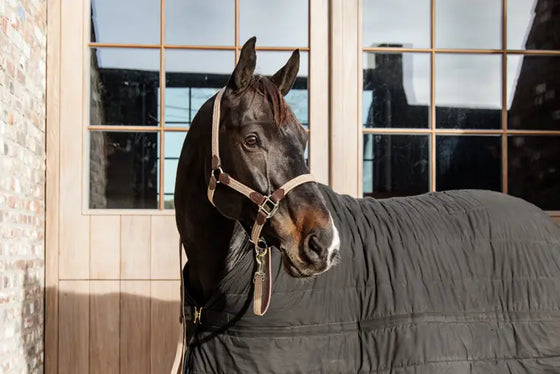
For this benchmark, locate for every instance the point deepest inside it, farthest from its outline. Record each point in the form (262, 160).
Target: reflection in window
(534, 169)
(395, 165)
(534, 92)
(199, 22)
(396, 22)
(275, 23)
(191, 78)
(141, 26)
(396, 90)
(533, 24)
(182, 104)
(468, 162)
(124, 87)
(468, 91)
(123, 170)
(475, 24)
(172, 151)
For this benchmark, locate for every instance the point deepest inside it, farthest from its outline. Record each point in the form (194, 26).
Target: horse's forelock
(280, 109)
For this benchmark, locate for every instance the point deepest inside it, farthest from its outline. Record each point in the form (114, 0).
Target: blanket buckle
(197, 315)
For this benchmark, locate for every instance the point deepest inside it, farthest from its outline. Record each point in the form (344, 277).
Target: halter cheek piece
(267, 207)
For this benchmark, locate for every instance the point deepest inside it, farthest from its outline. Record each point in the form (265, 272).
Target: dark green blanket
(447, 282)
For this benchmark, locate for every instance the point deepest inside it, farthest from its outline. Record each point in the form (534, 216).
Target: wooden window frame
(347, 57)
(317, 49)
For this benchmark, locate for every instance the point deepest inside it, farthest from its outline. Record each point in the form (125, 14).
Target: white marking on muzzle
(335, 243)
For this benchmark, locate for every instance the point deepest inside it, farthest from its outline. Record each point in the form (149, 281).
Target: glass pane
(397, 23)
(191, 78)
(124, 87)
(172, 151)
(534, 169)
(123, 170)
(468, 162)
(534, 92)
(269, 63)
(200, 22)
(395, 165)
(274, 23)
(141, 25)
(469, 24)
(396, 90)
(468, 91)
(533, 24)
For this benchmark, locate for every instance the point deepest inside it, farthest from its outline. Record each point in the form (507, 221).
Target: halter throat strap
(267, 207)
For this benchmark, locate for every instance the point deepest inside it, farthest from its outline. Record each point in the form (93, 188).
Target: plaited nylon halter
(267, 207)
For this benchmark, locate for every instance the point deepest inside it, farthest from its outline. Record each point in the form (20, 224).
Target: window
(461, 94)
(153, 63)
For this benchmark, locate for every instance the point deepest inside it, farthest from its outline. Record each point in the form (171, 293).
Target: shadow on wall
(113, 327)
(23, 326)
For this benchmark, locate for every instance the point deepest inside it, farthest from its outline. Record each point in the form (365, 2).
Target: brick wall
(22, 179)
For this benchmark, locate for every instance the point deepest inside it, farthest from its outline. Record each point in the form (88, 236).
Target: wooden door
(112, 272)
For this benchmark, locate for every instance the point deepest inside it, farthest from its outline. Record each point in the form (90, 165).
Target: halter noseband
(267, 207)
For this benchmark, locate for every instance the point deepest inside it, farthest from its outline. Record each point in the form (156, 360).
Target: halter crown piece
(267, 207)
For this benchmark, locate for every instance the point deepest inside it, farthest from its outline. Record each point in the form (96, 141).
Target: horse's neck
(213, 243)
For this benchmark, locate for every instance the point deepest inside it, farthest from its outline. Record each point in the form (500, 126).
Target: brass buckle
(197, 315)
(259, 257)
(268, 207)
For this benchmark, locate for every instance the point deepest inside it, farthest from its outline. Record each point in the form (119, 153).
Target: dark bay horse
(448, 282)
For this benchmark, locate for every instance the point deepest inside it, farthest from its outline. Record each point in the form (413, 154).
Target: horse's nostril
(315, 245)
(313, 250)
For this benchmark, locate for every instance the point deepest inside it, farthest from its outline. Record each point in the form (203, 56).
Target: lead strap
(263, 283)
(178, 363)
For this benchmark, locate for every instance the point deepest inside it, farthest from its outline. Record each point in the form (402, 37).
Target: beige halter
(267, 204)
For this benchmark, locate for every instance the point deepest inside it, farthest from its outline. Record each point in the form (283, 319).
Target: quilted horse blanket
(448, 282)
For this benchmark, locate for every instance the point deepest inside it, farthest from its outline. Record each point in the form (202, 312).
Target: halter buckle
(268, 207)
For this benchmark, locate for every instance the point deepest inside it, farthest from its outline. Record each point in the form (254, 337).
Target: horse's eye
(251, 140)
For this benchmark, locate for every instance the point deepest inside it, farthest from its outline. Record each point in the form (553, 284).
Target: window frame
(347, 27)
(317, 86)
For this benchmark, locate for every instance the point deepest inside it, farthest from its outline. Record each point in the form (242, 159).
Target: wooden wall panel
(344, 103)
(105, 240)
(319, 89)
(164, 248)
(104, 327)
(135, 327)
(135, 247)
(74, 228)
(165, 327)
(73, 350)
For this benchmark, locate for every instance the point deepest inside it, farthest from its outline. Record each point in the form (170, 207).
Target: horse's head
(262, 146)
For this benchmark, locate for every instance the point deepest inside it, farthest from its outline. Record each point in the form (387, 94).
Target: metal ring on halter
(268, 207)
(261, 246)
(216, 173)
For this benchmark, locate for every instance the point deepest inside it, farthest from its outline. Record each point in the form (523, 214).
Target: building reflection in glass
(534, 104)
(125, 91)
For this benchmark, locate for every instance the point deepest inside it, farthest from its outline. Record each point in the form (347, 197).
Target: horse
(464, 281)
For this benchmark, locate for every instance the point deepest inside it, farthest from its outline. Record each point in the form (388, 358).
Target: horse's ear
(245, 67)
(284, 78)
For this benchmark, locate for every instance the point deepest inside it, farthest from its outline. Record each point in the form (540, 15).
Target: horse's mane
(280, 109)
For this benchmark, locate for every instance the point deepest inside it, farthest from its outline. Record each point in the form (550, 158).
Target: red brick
(22, 105)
